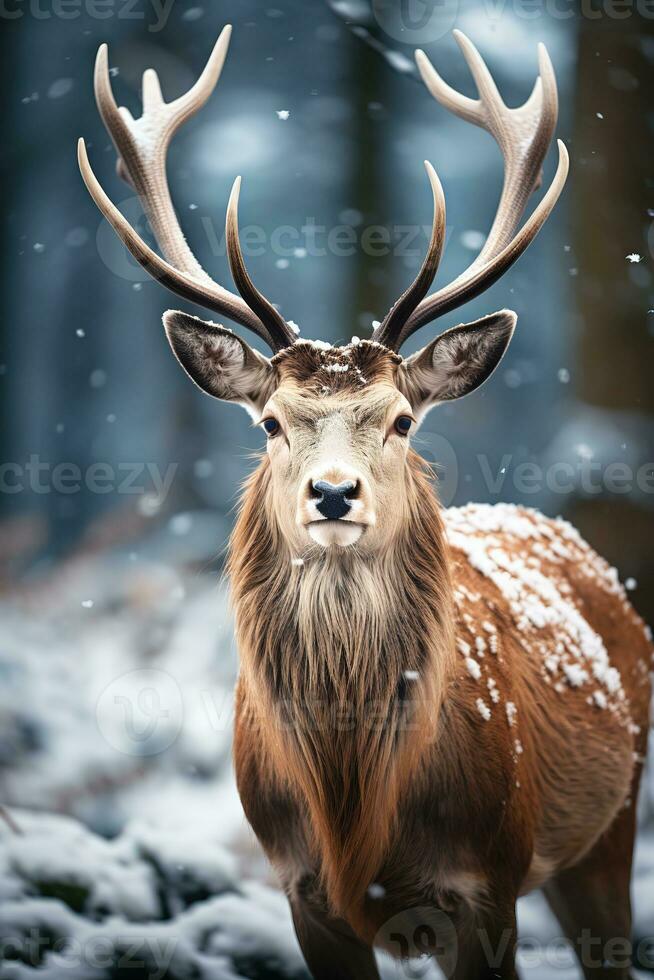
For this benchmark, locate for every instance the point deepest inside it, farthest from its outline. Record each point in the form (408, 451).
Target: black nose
(332, 499)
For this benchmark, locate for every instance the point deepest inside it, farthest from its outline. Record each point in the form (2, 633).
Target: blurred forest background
(87, 376)
(320, 109)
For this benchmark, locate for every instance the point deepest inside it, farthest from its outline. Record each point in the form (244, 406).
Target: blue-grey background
(577, 378)
(96, 587)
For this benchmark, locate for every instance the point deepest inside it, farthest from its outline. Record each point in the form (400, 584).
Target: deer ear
(457, 362)
(220, 362)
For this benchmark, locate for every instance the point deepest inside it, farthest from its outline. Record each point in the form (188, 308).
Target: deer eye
(271, 426)
(402, 424)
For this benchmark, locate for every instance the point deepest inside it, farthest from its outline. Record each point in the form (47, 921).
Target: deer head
(338, 420)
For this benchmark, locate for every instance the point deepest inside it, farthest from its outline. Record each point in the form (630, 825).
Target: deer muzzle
(335, 506)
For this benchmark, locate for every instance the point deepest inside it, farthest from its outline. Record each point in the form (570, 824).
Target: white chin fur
(341, 533)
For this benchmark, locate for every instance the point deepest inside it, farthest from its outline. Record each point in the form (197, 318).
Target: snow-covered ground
(123, 849)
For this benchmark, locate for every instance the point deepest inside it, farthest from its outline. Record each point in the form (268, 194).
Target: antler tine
(141, 145)
(210, 294)
(406, 304)
(269, 316)
(200, 91)
(477, 280)
(489, 96)
(460, 105)
(523, 135)
(549, 96)
(117, 121)
(151, 91)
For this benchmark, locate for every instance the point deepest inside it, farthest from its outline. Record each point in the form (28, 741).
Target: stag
(438, 710)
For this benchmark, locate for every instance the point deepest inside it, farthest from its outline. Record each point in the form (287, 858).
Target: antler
(142, 145)
(523, 135)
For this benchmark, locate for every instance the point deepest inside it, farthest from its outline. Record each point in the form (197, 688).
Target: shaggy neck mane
(343, 663)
